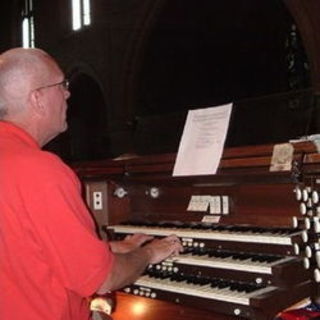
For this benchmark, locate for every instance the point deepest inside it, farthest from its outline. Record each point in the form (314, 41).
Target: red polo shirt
(50, 257)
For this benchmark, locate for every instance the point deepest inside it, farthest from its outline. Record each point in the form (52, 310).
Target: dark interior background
(141, 65)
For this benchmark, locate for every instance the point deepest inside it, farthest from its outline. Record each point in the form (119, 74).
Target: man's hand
(160, 249)
(129, 243)
(127, 267)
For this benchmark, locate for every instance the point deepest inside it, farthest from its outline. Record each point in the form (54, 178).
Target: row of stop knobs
(309, 222)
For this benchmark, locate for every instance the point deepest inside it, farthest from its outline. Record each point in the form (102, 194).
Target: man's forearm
(126, 269)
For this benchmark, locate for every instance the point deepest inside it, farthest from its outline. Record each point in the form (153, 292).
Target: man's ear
(37, 103)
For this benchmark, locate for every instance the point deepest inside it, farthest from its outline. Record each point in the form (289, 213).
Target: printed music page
(202, 141)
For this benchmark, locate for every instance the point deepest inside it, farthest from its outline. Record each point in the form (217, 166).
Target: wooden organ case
(250, 236)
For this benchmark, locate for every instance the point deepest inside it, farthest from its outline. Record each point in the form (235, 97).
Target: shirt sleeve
(65, 229)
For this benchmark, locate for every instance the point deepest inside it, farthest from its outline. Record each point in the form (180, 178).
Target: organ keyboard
(278, 236)
(232, 298)
(251, 259)
(234, 261)
(220, 289)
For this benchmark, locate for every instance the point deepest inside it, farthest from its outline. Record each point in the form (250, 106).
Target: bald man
(51, 260)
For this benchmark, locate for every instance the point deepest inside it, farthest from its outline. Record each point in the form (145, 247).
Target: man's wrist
(148, 253)
(114, 246)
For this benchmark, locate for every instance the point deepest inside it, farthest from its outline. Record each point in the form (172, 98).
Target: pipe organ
(250, 236)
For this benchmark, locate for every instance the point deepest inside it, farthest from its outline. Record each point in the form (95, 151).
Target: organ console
(250, 236)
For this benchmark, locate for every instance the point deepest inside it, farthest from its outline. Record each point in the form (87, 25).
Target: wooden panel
(256, 204)
(138, 308)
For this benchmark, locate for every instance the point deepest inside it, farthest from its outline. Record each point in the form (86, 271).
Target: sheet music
(202, 141)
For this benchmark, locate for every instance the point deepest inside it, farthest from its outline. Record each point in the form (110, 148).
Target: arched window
(81, 14)
(28, 25)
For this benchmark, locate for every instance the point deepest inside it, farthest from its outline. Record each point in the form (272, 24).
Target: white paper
(282, 157)
(198, 203)
(202, 141)
(211, 219)
(215, 204)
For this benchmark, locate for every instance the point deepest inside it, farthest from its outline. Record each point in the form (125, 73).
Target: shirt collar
(11, 129)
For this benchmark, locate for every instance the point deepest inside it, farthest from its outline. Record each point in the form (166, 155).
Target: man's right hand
(127, 267)
(160, 249)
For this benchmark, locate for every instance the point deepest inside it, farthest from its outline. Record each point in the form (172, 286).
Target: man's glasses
(64, 83)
